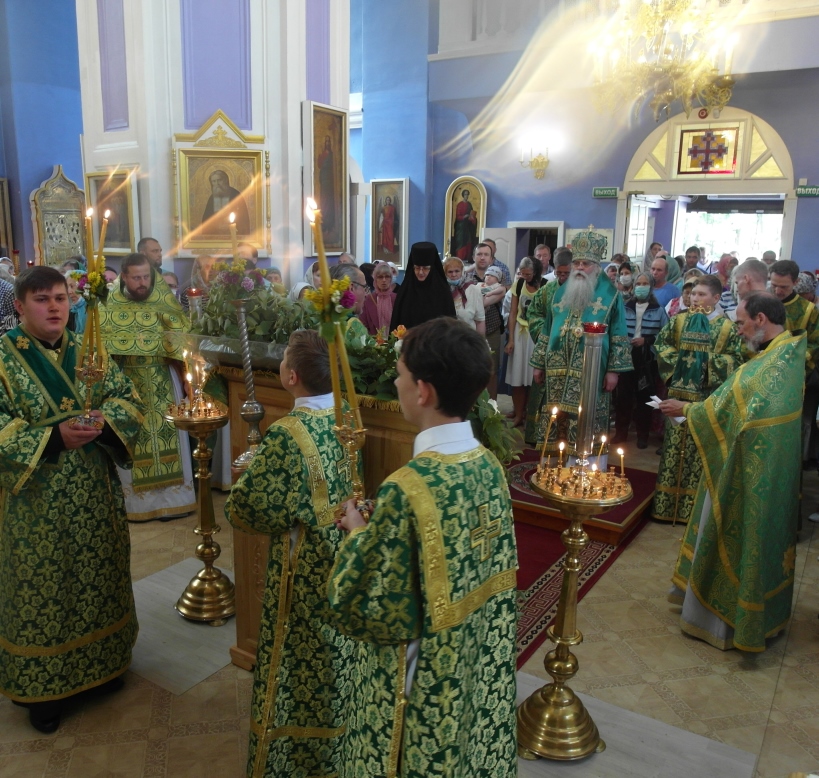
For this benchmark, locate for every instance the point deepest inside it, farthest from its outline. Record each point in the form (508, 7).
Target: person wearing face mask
(645, 317)
(696, 352)
(625, 280)
(466, 296)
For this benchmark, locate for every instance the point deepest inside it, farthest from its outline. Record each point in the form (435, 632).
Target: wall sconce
(538, 163)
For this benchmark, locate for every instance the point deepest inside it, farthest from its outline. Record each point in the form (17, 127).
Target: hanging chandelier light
(665, 52)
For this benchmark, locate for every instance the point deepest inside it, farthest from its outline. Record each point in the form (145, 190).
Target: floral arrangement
(495, 431)
(336, 309)
(270, 317)
(373, 363)
(91, 286)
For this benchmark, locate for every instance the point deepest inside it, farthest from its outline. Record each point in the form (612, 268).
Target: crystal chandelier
(662, 52)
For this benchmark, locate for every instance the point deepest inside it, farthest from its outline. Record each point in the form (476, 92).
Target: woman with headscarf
(425, 293)
(376, 313)
(201, 273)
(298, 290)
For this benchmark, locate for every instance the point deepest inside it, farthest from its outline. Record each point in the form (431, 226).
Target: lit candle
(234, 241)
(101, 246)
(622, 464)
(594, 468)
(560, 454)
(602, 443)
(189, 379)
(89, 239)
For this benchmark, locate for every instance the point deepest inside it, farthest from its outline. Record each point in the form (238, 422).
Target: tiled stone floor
(633, 656)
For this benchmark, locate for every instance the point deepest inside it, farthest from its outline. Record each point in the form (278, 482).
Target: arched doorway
(738, 154)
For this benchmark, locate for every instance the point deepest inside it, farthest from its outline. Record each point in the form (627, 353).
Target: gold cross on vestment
(343, 468)
(481, 536)
(67, 404)
(598, 305)
(22, 342)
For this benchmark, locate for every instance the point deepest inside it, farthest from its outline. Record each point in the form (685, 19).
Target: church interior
(526, 102)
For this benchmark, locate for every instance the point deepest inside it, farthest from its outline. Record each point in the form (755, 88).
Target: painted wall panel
(317, 16)
(113, 64)
(216, 61)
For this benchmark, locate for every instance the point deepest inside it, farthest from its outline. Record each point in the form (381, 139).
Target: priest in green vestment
(588, 296)
(67, 620)
(295, 481)
(536, 316)
(140, 315)
(696, 352)
(428, 585)
(735, 572)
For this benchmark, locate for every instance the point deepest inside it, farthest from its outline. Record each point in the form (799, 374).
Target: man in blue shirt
(664, 291)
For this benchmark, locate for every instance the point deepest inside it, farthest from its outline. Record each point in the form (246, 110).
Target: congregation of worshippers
(366, 638)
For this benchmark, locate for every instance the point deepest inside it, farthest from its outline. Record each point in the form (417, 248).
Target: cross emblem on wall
(705, 147)
(482, 535)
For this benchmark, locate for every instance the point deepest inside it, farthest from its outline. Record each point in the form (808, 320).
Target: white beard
(580, 288)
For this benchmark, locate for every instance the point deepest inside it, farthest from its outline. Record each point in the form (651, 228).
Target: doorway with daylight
(723, 184)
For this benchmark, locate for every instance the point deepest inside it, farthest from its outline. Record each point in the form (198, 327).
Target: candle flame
(554, 411)
(562, 445)
(89, 213)
(310, 210)
(602, 438)
(620, 451)
(594, 468)
(106, 214)
(188, 377)
(232, 217)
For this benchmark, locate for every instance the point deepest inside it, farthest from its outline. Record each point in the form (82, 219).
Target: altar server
(428, 585)
(298, 476)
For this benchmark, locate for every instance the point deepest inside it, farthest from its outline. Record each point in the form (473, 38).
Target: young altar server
(67, 618)
(290, 491)
(428, 585)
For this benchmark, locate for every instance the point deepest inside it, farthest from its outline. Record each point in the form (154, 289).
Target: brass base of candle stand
(252, 412)
(553, 723)
(210, 595)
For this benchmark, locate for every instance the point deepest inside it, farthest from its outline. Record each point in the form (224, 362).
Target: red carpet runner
(540, 553)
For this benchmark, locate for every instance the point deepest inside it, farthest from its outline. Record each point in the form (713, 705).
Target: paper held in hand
(655, 403)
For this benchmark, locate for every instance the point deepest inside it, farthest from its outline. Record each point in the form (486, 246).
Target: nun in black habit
(425, 293)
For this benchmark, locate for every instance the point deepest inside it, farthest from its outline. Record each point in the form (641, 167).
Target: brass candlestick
(210, 594)
(252, 411)
(553, 723)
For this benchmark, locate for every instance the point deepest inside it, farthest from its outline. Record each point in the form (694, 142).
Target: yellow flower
(399, 331)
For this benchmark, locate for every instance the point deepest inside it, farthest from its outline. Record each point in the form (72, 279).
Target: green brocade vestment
(67, 619)
(559, 353)
(748, 435)
(536, 315)
(436, 564)
(301, 684)
(694, 356)
(137, 334)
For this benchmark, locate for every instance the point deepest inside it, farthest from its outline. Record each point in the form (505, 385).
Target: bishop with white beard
(588, 296)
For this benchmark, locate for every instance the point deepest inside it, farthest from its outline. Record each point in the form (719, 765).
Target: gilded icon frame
(397, 190)
(476, 223)
(115, 190)
(321, 122)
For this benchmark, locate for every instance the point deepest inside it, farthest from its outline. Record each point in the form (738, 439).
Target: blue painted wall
(396, 139)
(40, 97)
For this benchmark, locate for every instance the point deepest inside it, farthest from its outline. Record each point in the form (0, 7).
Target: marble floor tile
(24, 765)
(123, 760)
(216, 755)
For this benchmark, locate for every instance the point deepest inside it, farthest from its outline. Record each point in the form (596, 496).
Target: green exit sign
(807, 191)
(605, 191)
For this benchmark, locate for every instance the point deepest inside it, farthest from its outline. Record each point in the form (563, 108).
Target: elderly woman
(645, 317)
(425, 293)
(520, 346)
(201, 274)
(377, 311)
(466, 296)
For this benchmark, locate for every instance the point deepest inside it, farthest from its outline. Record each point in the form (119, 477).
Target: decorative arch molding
(755, 161)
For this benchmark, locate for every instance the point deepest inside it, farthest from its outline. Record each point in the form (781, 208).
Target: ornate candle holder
(553, 723)
(90, 372)
(352, 435)
(210, 594)
(252, 411)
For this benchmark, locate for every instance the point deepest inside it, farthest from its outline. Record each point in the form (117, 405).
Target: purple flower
(347, 299)
(247, 284)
